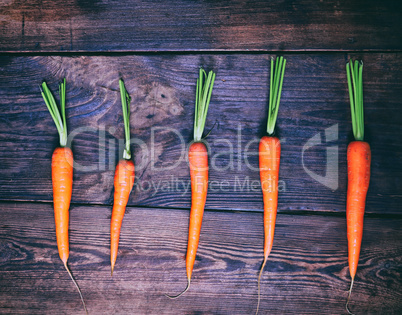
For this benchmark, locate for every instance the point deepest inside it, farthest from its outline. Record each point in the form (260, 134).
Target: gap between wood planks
(17, 53)
(257, 211)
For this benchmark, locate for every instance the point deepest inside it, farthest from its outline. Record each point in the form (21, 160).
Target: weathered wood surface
(180, 25)
(314, 99)
(307, 270)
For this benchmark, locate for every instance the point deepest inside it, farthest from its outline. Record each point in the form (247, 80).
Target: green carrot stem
(354, 74)
(58, 118)
(125, 103)
(204, 88)
(275, 91)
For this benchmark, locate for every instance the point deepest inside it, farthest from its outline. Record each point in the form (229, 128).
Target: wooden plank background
(307, 270)
(158, 47)
(155, 25)
(163, 96)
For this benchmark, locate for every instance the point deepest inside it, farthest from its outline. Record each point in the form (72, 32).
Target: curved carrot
(123, 180)
(123, 184)
(269, 159)
(198, 160)
(359, 160)
(62, 176)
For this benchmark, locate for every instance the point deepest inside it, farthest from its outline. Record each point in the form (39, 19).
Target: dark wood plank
(314, 98)
(307, 270)
(179, 25)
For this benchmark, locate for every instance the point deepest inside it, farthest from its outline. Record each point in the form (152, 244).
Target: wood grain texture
(314, 99)
(307, 269)
(180, 25)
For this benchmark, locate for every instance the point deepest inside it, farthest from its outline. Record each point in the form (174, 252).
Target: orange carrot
(359, 160)
(123, 184)
(62, 176)
(123, 180)
(198, 160)
(269, 158)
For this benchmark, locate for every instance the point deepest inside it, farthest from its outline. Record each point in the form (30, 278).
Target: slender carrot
(198, 160)
(62, 178)
(269, 158)
(123, 184)
(62, 175)
(123, 180)
(359, 160)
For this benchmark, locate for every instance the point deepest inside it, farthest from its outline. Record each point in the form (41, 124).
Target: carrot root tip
(78, 288)
(180, 294)
(347, 302)
(259, 287)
